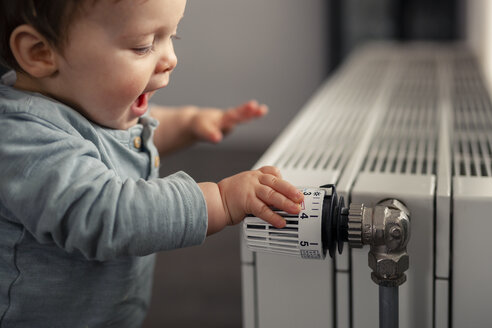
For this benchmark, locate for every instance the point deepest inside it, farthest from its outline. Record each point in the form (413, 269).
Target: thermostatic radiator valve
(324, 224)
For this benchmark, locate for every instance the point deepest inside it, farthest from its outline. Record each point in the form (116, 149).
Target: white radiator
(405, 121)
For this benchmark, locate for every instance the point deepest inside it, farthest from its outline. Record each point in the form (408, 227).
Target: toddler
(82, 210)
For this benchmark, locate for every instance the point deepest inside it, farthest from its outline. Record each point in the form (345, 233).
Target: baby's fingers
(252, 109)
(261, 210)
(282, 187)
(273, 198)
(243, 113)
(270, 170)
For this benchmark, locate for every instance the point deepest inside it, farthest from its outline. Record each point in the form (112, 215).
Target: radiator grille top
(334, 119)
(405, 142)
(385, 109)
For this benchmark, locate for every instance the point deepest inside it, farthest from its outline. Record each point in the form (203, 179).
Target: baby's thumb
(210, 132)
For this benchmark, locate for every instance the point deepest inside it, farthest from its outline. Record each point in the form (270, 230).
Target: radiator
(406, 121)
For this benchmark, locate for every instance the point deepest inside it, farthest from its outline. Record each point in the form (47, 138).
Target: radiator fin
(472, 142)
(332, 129)
(406, 139)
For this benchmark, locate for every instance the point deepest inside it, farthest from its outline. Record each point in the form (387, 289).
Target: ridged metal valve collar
(354, 231)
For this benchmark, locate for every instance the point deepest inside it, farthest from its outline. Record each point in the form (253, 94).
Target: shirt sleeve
(57, 187)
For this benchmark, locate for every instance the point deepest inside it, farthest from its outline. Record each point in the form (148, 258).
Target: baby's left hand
(211, 124)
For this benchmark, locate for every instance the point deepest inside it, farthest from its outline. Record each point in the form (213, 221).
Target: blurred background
(278, 52)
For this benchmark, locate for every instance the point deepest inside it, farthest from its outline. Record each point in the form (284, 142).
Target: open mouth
(140, 105)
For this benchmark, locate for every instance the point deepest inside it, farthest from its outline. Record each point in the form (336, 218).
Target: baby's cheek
(135, 85)
(125, 92)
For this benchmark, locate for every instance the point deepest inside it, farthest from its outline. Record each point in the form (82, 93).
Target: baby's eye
(175, 37)
(143, 50)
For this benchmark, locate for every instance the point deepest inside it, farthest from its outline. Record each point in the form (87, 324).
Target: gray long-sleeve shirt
(81, 212)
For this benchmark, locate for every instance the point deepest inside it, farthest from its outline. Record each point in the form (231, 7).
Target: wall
(479, 33)
(232, 51)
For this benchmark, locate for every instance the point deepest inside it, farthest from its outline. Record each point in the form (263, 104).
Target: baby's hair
(51, 18)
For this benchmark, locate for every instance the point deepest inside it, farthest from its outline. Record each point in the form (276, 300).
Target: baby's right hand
(253, 192)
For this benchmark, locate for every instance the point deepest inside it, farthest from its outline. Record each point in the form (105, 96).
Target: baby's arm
(65, 191)
(251, 192)
(180, 127)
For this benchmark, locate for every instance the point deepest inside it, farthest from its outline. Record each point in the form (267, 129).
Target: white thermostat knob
(320, 226)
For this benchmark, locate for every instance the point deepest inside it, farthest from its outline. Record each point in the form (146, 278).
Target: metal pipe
(388, 307)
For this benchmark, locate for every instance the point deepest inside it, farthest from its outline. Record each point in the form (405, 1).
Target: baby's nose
(167, 62)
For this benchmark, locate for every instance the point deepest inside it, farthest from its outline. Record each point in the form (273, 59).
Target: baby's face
(118, 54)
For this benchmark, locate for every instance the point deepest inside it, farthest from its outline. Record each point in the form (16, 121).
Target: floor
(201, 286)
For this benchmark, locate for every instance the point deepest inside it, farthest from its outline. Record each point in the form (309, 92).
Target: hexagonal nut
(389, 265)
(395, 204)
(394, 282)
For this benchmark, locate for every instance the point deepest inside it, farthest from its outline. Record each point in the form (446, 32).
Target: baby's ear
(32, 51)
